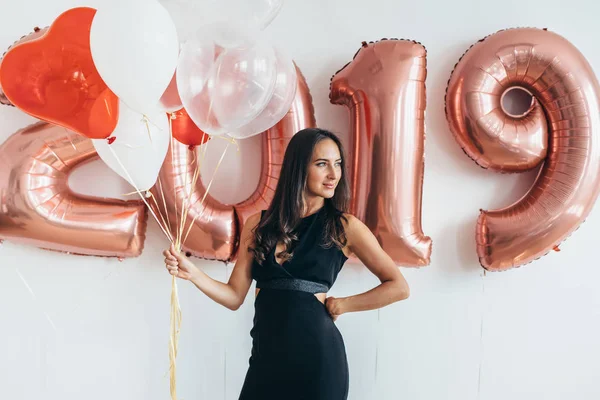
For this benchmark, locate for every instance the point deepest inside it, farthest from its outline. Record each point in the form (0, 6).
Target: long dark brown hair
(285, 211)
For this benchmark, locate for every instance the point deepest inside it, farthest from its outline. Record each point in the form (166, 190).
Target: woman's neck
(313, 205)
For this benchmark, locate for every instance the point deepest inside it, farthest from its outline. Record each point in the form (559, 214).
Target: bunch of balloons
(121, 76)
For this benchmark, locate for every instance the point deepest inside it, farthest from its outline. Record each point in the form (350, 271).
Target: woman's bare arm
(230, 294)
(393, 287)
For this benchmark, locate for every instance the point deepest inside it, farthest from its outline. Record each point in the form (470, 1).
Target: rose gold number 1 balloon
(566, 102)
(384, 89)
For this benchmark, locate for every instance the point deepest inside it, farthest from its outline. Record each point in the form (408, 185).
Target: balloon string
(142, 196)
(481, 334)
(175, 316)
(181, 221)
(195, 178)
(229, 140)
(206, 191)
(172, 145)
(170, 236)
(175, 328)
(162, 193)
(193, 184)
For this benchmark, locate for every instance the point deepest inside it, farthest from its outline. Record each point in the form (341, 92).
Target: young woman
(295, 250)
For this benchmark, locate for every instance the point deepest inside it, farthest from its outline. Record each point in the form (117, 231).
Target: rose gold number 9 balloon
(565, 102)
(384, 89)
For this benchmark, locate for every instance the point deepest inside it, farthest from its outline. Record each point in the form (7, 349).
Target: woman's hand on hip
(334, 306)
(178, 264)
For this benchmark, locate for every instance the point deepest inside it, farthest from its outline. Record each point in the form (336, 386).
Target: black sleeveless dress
(297, 351)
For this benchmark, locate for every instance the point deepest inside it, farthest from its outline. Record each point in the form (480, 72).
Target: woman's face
(324, 170)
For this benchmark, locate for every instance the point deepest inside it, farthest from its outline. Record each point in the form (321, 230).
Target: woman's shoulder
(255, 218)
(253, 221)
(352, 226)
(349, 220)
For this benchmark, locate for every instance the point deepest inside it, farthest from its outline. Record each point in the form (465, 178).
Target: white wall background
(91, 328)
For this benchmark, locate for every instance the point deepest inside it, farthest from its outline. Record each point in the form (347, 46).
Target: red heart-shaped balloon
(185, 131)
(54, 78)
(37, 32)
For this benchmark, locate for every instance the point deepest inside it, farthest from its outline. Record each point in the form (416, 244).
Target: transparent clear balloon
(226, 77)
(280, 102)
(193, 69)
(242, 84)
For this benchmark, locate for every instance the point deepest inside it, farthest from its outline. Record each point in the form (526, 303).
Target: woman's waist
(290, 310)
(295, 284)
(319, 296)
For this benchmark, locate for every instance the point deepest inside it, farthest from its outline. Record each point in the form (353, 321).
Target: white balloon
(135, 49)
(170, 101)
(139, 148)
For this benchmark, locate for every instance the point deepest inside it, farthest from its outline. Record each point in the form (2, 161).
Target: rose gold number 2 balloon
(37, 206)
(216, 227)
(565, 102)
(384, 89)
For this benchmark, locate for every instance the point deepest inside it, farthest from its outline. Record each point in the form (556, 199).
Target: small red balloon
(185, 131)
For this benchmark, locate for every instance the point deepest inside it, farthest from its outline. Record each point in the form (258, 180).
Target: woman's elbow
(235, 305)
(403, 292)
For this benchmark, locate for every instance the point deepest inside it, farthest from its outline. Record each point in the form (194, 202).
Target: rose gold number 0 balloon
(216, 226)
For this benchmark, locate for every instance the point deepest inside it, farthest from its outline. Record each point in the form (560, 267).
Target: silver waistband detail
(293, 284)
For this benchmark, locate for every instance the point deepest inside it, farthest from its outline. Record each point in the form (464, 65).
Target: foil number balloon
(216, 226)
(560, 129)
(38, 208)
(382, 85)
(384, 89)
